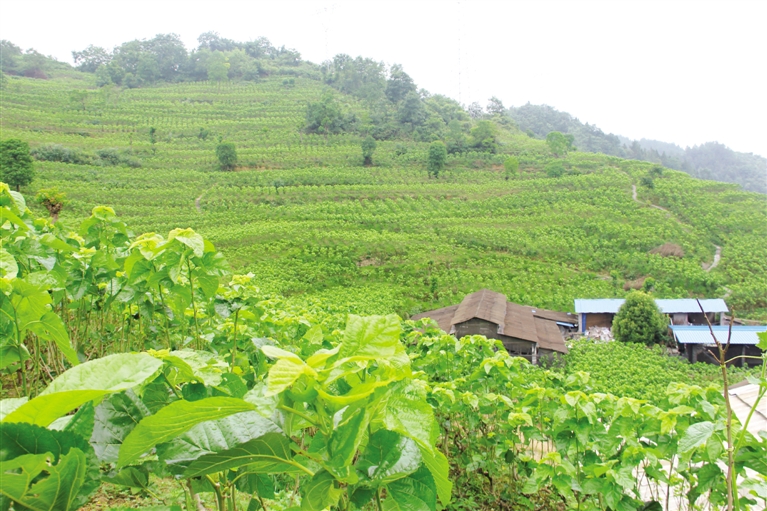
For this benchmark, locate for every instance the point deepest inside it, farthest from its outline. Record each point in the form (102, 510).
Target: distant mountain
(711, 160)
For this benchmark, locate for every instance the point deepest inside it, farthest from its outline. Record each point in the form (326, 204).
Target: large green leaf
(439, 467)
(189, 238)
(320, 492)
(695, 436)
(267, 454)
(409, 414)
(19, 440)
(347, 436)
(191, 365)
(133, 477)
(8, 267)
(176, 418)
(10, 404)
(284, 373)
(58, 491)
(114, 419)
(762, 344)
(388, 456)
(12, 354)
(215, 436)
(84, 383)
(370, 337)
(416, 492)
(50, 328)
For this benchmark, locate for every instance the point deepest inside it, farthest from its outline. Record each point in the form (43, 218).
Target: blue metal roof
(600, 305)
(745, 334)
(673, 306)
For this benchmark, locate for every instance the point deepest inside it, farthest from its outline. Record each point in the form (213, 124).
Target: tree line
(711, 160)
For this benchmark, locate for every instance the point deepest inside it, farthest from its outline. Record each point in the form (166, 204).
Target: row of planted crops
(135, 359)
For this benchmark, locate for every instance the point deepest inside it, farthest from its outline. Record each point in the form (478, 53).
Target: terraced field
(313, 224)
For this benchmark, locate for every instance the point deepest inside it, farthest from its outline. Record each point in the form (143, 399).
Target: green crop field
(304, 215)
(188, 337)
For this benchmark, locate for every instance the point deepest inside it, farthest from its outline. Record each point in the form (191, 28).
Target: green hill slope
(304, 215)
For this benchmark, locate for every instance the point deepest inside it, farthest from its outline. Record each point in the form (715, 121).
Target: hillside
(711, 160)
(199, 331)
(312, 223)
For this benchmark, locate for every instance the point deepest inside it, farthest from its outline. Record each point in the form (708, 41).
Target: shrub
(57, 152)
(640, 320)
(227, 155)
(555, 169)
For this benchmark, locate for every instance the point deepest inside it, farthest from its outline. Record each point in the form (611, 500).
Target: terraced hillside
(313, 224)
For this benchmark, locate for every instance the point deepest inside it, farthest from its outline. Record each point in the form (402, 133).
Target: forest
(208, 268)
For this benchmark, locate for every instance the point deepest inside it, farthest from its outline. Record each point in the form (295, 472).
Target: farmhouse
(685, 311)
(524, 331)
(694, 341)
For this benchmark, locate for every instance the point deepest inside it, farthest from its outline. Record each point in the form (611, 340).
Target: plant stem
(234, 343)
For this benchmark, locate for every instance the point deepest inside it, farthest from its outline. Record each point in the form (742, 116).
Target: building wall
(516, 347)
(601, 320)
(477, 326)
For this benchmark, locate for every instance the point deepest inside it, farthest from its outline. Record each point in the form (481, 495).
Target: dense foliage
(304, 216)
(637, 371)
(131, 358)
(640, 320)
(16, 166)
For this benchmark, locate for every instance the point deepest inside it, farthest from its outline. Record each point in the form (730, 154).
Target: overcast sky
(682, 72)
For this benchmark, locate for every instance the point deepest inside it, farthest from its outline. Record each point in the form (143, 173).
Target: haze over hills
(710, 160)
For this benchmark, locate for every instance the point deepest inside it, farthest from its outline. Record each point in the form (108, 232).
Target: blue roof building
(682, 311)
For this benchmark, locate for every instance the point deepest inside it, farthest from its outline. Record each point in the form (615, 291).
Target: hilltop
(312, 223)
(711, 160)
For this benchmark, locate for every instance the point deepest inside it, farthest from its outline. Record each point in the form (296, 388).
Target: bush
(115, 157)
(109, 157)
(640, 320)
(437, 158)
(368, 148)
(57, 152)
(227, 155)
(555, 169)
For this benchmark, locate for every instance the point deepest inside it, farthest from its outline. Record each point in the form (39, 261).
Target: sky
(686, 72)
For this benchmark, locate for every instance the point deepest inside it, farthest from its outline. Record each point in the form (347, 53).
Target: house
(684, 311)
(693, 342)
(525, 331)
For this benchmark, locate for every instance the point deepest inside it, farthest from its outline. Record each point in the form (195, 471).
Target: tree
(227, 155)
(475, 110)
(559, 144)
(91, 58)
(483, 137)
(640, 320)
(437, 158)
(16, 163)
(368, 147)
(218, 67)
(411, 111)
(495, 106)
(53, 200)
(511, 164)
(399, 84)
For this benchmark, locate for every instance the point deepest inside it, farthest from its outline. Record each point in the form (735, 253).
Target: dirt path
(717, 257)
(634, 196)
